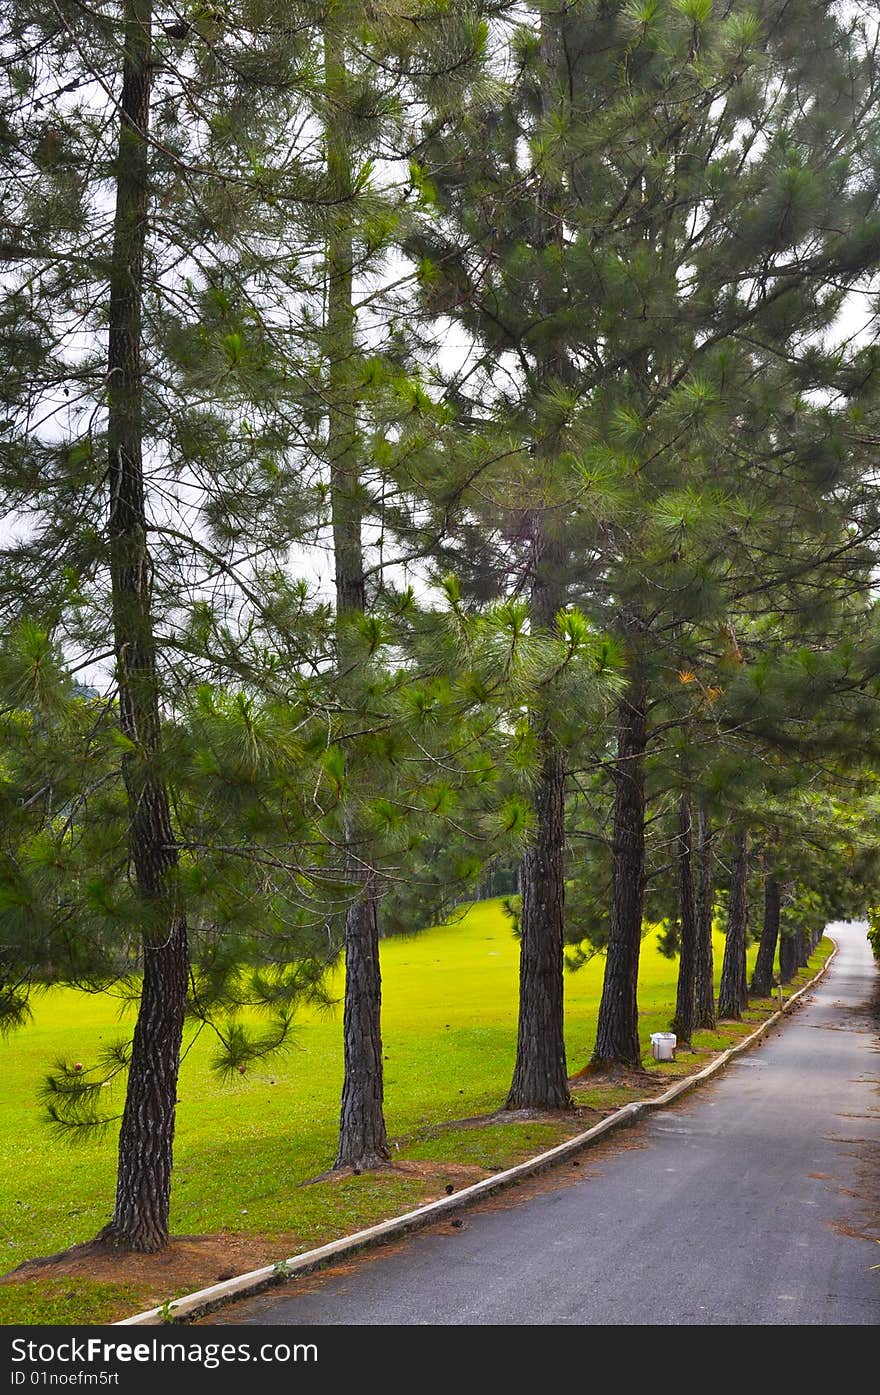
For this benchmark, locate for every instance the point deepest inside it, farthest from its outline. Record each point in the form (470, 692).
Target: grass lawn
(244, 1148)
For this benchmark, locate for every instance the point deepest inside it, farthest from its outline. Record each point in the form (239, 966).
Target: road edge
(207, 1300)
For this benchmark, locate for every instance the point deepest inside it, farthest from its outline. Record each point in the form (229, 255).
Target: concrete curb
(206, 1300)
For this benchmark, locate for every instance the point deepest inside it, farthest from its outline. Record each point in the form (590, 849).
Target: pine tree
(685, 1002)
(540, 1076)
(704, 1007)
(362, 1137)
(732, 996)
(143, 1190)
(105, 446)
(382, 432)
(762, 975)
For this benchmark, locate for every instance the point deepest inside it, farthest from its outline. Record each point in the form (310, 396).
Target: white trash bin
(663, 1045)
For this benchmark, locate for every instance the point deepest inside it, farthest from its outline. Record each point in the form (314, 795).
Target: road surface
(753, 1201)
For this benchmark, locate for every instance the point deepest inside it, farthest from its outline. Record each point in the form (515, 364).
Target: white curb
(207, 1299)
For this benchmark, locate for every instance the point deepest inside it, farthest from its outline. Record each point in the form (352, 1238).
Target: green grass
(61, 1302)
(491, 1146)
(244, 1148)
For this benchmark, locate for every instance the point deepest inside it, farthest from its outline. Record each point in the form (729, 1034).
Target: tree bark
(146, 1137)
(733, 999)
(363, 1142)
(762, 976)
(787, 955)
(540, 1076)
(685, 999)
(617, 1033)
(140, 1217)
(704, 1005)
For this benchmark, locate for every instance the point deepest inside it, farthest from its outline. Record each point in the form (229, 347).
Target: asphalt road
(753, 1201)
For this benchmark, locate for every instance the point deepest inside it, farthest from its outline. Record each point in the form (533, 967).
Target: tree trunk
(802, 949)
(732, 999)
(704, 1004)
(362, 1139)
(617, 1032)
(540, 1077)
(787, 955)
(363, 1142)
(683, 1021)
(762, 977)
(143, 1189)
(146, 1138)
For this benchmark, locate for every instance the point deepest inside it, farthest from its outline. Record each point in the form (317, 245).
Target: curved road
(754, 1201)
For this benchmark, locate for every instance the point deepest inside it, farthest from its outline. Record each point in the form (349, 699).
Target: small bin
(663, 1045)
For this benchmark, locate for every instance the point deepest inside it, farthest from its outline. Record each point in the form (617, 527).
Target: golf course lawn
(244, 1147)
